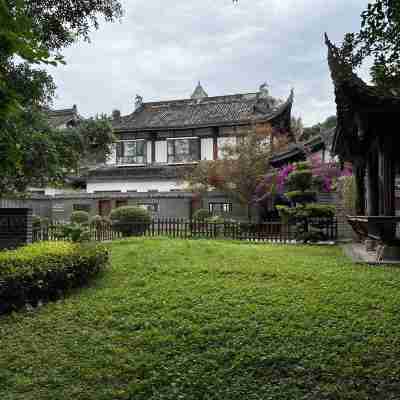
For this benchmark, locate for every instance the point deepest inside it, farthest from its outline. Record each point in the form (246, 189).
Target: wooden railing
(276, 231)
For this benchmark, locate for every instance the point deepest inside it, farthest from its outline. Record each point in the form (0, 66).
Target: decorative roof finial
(138, 101)
(199, 93)
(264, 91)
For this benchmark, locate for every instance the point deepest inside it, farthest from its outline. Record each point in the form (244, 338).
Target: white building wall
(140, 186)
(149, 152)
(161, 151)
(207, 149)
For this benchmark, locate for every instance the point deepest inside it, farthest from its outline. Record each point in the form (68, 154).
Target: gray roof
(298, 151)
(67, 117)
(205, 112)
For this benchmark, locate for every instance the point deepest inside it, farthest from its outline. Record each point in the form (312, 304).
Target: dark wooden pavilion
(366, 135)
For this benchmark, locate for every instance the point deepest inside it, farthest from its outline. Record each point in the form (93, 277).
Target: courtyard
(199, 319)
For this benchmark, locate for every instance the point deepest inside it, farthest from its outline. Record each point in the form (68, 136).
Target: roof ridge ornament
(340, 67)
(138, 101)
(199, 93)
(264, 90)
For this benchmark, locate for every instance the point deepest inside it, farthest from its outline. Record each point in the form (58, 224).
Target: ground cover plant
(212, 320)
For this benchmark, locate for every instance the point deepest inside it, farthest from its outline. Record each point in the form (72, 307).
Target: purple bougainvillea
(325, 176)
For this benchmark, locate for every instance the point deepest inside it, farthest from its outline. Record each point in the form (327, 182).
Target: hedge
(80, 217)
(130, 220)
(201, 214)
(45, 271)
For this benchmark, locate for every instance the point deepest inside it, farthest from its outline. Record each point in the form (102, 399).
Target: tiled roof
(298, 151)
(59, 118)
(357, 104)
(208, 111)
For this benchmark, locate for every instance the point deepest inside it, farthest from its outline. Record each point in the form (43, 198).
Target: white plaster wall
(49, 191)
(140, 186)
(207, 149)
(161, 151)
(149, 152)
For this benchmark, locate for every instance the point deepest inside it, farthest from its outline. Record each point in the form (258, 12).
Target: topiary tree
(130, 221)
(80, 217)
(301, 185)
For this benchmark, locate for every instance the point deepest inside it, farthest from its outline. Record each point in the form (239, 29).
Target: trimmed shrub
(286, 212)
(80, 217)
(300, 180)
(301, 197)
(45, 271)
(99, 222)
(73, 232)
(130, 221)
(311, 210)
(320, 210)
(201, 214)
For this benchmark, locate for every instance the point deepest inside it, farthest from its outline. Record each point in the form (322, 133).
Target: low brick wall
(15, 227)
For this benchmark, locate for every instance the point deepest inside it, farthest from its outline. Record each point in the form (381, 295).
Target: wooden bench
(360, 227)
(381, 228)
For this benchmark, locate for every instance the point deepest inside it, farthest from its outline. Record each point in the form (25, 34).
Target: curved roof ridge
(220, 110)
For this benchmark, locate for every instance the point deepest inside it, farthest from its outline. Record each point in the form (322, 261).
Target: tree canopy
(316, 129)
(239, 171)
(32, 34)
(379, 38)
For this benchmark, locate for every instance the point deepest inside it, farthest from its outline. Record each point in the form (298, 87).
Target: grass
(212, 320)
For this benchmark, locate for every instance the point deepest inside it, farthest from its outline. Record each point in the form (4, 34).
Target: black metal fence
(325, 229)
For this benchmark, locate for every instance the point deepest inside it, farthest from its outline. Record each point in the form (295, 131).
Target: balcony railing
(132, 160)
(141, 161)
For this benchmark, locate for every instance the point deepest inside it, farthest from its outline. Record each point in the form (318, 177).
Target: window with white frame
(220, 208)
(131, 152)
(151, 207)
(183, 150)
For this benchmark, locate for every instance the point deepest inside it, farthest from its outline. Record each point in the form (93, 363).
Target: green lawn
(212, 320)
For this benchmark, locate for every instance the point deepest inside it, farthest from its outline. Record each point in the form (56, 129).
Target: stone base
(388, 253)
(358, 253)
(370, 245)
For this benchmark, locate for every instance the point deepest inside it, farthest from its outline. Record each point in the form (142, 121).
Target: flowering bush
(325, 176)
(298, 183)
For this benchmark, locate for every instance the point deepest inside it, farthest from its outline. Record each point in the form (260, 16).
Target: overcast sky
(161, 48)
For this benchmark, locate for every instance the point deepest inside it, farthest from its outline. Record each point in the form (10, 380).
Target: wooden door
(104, 208)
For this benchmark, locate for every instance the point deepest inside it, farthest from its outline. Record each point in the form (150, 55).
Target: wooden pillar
(373, 183)
(386, 168)
(215, 143)
(198, 144)
(153, 150)
(360, 185)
